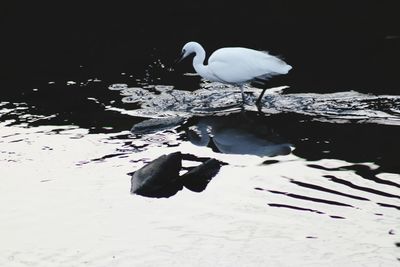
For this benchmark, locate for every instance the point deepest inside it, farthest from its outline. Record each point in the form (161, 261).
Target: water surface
(309, 178)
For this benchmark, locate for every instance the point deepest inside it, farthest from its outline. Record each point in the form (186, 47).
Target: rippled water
(349, 106)
(310, 179)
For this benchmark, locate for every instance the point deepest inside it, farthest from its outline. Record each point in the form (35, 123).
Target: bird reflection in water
(238, 134)
(230, 133)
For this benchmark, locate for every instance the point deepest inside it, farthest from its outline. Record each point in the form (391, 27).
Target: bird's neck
(200, 56)
(198, 62)
(201, 69)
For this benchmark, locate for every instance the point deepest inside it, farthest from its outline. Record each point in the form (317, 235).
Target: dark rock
(270, 161)
(156, 124)
(198, 178)
(158, 178)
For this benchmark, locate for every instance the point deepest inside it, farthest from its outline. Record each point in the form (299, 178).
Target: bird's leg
(242, 91)
(258, 102)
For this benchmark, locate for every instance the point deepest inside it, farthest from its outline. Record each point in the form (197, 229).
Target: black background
(332, 45)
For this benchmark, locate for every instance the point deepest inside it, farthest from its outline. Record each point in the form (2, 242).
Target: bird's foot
(259, 104)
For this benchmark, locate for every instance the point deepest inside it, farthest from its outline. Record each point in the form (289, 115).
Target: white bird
(235, 65)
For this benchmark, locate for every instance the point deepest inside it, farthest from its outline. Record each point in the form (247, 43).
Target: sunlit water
(308, 180)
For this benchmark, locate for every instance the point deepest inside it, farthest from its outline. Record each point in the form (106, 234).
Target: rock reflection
(243, 133)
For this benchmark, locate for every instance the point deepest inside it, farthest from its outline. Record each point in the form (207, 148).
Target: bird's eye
(183, 50)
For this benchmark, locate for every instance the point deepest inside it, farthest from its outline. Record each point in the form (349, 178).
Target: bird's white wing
(239, 65)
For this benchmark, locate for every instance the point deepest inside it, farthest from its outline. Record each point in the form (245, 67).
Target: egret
(235, 65)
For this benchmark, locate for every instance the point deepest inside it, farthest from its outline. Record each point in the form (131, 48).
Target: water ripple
(214, 98)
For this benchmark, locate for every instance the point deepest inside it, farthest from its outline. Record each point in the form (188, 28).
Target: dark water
(323, 149)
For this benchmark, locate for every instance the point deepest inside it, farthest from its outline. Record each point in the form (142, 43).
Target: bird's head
(189, 48)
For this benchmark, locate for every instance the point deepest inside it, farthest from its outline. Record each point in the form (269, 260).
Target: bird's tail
(286, 69)
(278, 66)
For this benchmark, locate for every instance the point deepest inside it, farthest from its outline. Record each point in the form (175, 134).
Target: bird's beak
(179, 59)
